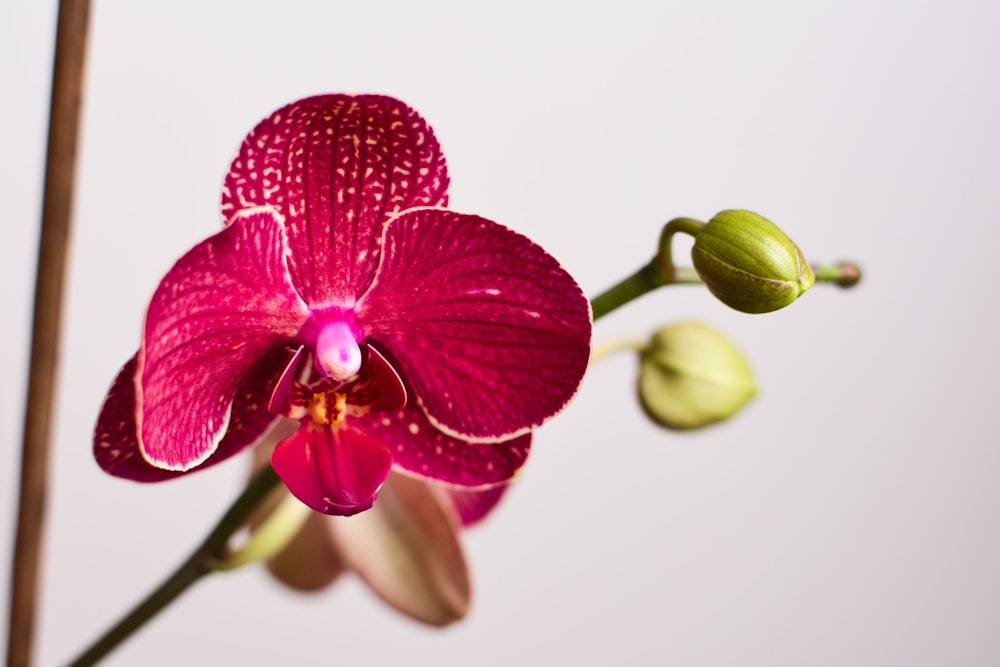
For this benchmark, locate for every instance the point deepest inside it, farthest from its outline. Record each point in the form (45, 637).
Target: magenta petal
(379, 387)
(281, 397)
(391, 391)
(474, 505)
(421, 449)
(219, 310)
(490, 332)
(337, 167)
(116, 447)
(333, 470)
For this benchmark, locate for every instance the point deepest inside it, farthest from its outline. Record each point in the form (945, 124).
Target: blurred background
(848, 516)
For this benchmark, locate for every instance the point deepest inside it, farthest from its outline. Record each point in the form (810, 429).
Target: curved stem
(658, 272)
(202, 560)
(57, 205)
(665, 253)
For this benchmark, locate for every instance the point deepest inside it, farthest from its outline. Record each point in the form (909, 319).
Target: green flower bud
(749, 264)
(691, 376)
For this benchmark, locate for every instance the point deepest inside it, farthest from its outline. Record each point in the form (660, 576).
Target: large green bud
(690, 376)
(748, 263)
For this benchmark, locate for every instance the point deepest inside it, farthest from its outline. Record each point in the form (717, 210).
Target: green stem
(270, 536)
(202, 561)
(842, 274)
(642, 281)
(658, 272)
(665, 254)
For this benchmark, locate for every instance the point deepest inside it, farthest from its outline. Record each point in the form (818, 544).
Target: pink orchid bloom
(342, 294)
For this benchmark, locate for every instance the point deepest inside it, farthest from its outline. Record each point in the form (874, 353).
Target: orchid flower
(342, 295)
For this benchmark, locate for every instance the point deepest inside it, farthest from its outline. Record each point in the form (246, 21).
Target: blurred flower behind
(407, 548)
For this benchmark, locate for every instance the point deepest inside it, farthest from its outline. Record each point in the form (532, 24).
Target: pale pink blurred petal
(407, 549)
(311, 561)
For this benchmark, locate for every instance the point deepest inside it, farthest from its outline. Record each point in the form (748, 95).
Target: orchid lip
(332, 468)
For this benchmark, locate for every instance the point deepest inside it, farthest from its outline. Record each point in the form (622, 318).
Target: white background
(848, 516)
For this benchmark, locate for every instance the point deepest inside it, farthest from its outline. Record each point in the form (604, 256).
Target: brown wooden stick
(67, 85)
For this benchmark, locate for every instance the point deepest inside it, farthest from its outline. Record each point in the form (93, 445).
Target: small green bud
(690, 376)
(749, 264)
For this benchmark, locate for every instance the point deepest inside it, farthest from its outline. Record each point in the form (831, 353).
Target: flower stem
(842, 274)
(642, 281)
(270, 536)
(57, 204)
(665, 253)
(202, 561)
(658, 272)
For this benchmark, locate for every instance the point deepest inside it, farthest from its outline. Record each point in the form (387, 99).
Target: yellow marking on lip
(317, 408)
(339, 408)
(327, 408)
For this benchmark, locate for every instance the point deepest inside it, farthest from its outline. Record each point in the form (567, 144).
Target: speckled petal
(407, 548)
(334, 470)
(419, 448)
(116, 446)
(490, 332)
(337, 167)
(220, 309)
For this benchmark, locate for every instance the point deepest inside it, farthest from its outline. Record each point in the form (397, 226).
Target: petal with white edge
(116, 445)
(221, 308)
(337, 167)
(490, 332)
(421, 449)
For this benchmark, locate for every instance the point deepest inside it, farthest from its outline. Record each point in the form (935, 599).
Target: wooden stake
(67, 86)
